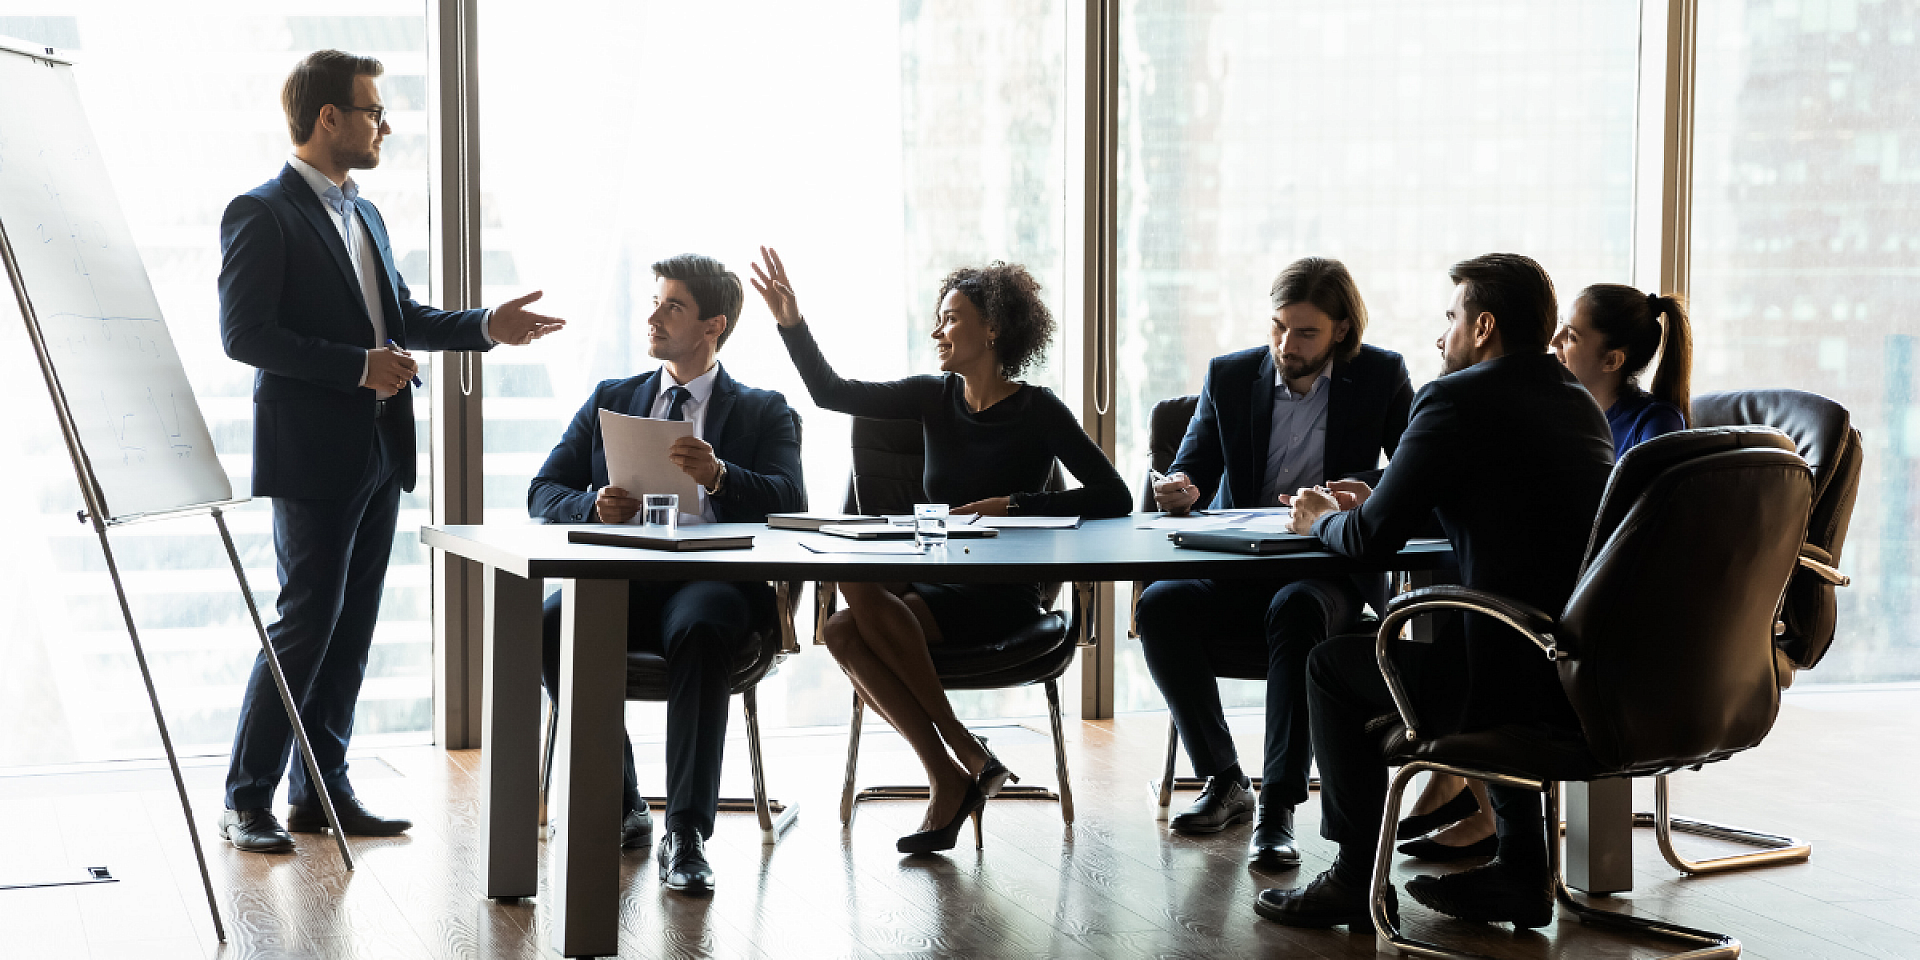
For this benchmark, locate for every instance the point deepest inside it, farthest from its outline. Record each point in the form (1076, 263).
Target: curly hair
(1008, 298)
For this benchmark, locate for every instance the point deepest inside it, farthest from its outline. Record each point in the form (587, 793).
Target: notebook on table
(682, 540)
(814, 521)
(1246, 541)
(888, 531)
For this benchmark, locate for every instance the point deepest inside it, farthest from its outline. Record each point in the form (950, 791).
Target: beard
(1449, 363)
(1294, 368)
(364, 158)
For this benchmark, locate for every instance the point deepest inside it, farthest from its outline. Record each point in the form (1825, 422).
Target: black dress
(1006, 450)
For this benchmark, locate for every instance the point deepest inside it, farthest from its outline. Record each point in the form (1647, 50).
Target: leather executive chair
(647, 681)
(1822, 433)
(1665, 648)
(888, 463)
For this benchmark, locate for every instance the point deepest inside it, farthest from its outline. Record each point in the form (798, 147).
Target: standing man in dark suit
(1512, 455)
(309, 296)
(1316, 405)
(743, 449)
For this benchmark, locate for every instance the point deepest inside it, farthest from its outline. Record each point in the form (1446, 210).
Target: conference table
(584, 805)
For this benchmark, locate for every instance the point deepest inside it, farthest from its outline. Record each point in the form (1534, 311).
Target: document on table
(1030, 523)
(637, 458)
(862, 546)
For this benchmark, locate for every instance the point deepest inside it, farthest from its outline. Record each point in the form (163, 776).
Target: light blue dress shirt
(1297, 448)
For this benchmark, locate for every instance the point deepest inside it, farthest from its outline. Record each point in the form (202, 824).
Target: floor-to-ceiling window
(1806, 263)
(877, 144)
(184, 101)
(1396, 135)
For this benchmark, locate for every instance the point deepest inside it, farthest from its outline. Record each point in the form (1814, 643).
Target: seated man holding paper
(1316, 405)
(742, 450)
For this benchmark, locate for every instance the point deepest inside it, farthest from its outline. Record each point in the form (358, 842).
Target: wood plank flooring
(1838, 770)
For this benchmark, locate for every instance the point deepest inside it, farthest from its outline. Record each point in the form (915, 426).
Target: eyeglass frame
(379, 113)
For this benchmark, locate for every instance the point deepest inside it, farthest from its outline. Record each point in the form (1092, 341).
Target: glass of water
(929, 525)
(660, 512)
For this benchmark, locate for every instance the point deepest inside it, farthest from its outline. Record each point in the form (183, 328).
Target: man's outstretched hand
(512, 323)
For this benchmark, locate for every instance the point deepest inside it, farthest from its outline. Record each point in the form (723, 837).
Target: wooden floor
(1838, 770)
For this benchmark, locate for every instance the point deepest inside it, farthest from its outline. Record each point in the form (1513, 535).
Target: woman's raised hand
(771, 280)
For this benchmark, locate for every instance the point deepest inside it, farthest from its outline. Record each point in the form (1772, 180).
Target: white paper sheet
(862, 546)
(1030, 523)
(637, 460)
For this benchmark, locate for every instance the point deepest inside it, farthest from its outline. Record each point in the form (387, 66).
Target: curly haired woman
(991, 442)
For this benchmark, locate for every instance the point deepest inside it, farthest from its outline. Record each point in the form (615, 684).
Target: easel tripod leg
(286, 694)
(166, 739)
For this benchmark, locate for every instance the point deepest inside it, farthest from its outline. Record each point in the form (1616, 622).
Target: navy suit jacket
(1513, 456)
(753, 431)
(291, 307)
(1225, 450)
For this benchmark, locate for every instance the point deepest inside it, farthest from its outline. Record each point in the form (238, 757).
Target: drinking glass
(929, 525)
(660, 512)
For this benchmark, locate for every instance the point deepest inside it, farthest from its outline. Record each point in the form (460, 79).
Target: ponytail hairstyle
(1629, 321)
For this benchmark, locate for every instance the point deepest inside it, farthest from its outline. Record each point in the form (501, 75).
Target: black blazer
(752, 431)
(1513, 455)
(291, 307)
(1225, 450)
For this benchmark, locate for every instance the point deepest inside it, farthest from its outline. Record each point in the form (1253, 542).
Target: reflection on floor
(1835, 771)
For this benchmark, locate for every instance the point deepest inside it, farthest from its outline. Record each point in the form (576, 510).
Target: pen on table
(390, 343)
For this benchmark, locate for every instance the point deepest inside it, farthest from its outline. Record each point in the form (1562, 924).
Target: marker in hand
(403, 352)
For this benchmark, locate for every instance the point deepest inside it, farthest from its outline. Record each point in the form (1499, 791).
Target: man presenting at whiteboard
(309, 296)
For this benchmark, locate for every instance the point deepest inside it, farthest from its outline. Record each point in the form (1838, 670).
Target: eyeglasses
(379, 114)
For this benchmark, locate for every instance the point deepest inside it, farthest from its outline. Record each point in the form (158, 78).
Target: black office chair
(1823, 435)
(647, 681)
(1665, 648)
(888, 463)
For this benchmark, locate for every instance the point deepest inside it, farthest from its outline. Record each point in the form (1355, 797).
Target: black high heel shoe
(1433, 851)
(1462, 806)
(974, 805)
(995, 774)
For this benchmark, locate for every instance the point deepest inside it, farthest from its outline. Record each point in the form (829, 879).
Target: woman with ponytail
(1612, 336)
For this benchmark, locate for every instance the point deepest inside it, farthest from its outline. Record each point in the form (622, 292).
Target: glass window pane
(178, 151)
(876, 149)
(1806, 229)
(1397, 136)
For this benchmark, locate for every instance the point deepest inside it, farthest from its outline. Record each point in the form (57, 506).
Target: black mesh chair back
(1822, 432)
(1166, 427)
(1668, 637)
(889, 463)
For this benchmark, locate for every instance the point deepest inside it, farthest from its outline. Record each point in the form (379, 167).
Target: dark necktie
(680, 395)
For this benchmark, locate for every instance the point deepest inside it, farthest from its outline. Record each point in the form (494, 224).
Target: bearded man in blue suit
(310, 298)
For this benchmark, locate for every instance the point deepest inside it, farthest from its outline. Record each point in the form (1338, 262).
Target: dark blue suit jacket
(1225, 450)
(753, 431)
(291, 307)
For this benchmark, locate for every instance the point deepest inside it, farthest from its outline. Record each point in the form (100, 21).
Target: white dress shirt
(699, 390)
(361, 253)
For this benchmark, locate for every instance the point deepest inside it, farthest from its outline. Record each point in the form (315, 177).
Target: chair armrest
(825, 602)
(787, 601)
(1133, 609)
(1085, 616)
(1821, 563)
(1529, 621)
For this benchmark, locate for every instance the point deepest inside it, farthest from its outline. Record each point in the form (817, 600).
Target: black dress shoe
(255, 831)
(636, 830)
(1272, 847)
(1462, 806)
(1222, 804)
(1325, 902)
(683, 863)
(355, 819)
(1433, 851)
(1490, 893)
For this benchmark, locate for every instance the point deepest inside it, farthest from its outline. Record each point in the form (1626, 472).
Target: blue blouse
(1637, 417)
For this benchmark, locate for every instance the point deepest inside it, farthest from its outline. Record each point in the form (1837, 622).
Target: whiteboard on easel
(80, 279)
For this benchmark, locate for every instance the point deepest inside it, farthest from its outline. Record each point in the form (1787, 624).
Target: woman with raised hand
(991, 442)
(1608, 342)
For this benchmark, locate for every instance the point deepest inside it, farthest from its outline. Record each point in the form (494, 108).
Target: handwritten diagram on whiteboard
(126, 390)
